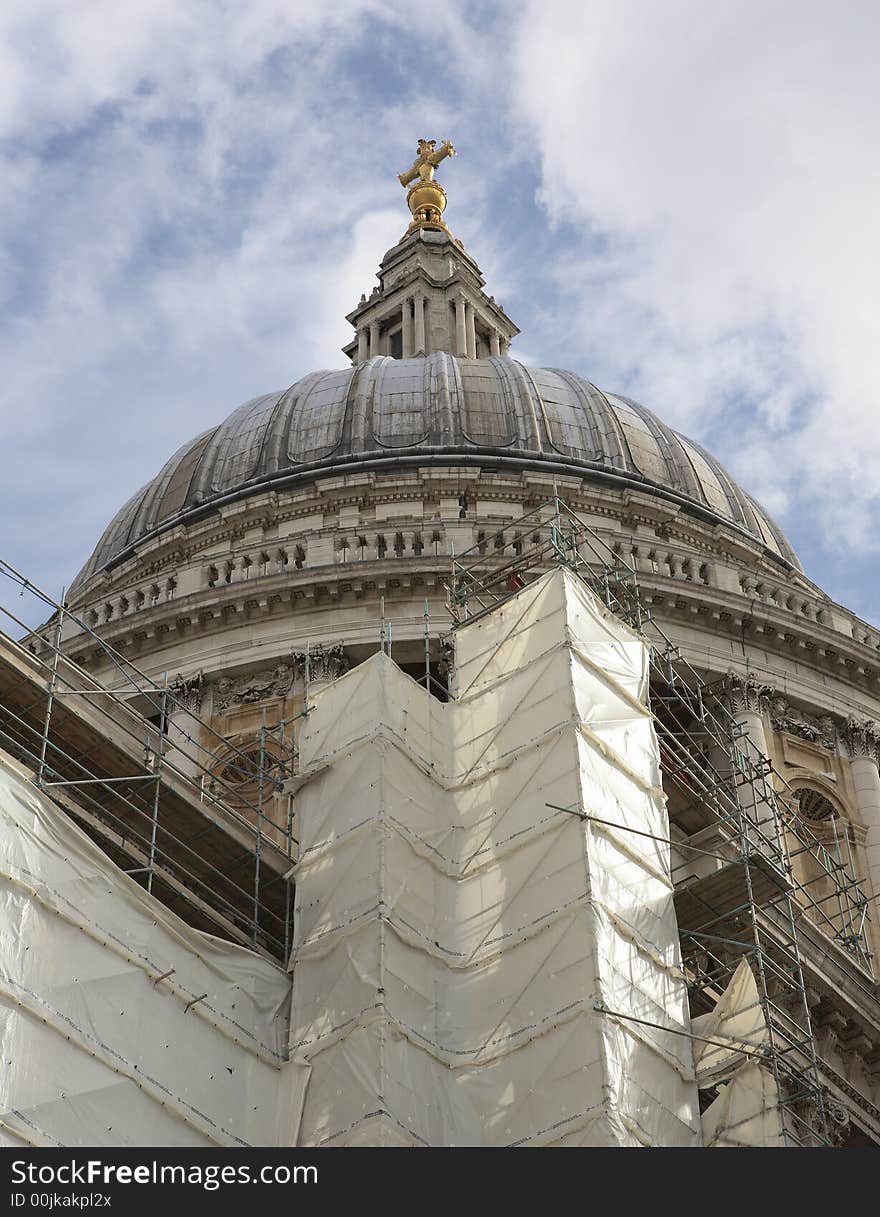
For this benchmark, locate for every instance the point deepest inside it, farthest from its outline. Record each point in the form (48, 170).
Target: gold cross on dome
(427, 161)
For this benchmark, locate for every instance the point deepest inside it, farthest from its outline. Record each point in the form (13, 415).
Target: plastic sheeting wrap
(746, 1111)
(454, 934)
(95, 1050)
(737, 1023)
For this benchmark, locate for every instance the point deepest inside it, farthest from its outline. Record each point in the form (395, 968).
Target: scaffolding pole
(114, 756)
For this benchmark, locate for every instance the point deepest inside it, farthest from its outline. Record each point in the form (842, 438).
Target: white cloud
(724, 157)
(194, 193)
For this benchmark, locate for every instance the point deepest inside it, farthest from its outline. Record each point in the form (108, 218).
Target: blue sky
(677, 200)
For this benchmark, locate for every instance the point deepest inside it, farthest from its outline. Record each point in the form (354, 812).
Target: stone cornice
(214, 608)
(410, 281)
(685, 573)
(816, 645)
(830, 970)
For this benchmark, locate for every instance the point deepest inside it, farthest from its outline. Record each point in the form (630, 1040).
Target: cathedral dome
(386, 413)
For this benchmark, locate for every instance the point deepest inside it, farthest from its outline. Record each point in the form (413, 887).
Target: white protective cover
(94, 1053)
(454, 934)
(737, 1023)
(746, 1111)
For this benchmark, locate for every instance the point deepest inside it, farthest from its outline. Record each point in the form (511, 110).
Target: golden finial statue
(426, 197)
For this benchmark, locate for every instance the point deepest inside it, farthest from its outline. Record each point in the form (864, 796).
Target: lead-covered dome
(386, 412)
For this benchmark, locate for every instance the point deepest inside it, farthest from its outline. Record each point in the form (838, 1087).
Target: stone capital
(743, 694)
(188, 692)
(862, 739)
(324, 662)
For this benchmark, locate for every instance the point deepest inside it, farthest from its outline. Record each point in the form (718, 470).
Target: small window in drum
(395, 344)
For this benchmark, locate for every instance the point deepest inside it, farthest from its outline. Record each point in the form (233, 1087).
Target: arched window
(248, 780)
(815, 806)
(822, 861)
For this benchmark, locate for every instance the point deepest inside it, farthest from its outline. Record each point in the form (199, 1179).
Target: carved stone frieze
(817, 729)
(257, 686)
(837, 1122)
(324, 663)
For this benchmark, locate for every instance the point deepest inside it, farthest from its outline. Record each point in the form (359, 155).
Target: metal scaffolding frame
(196, 820)
(740, 895)
(204, 825)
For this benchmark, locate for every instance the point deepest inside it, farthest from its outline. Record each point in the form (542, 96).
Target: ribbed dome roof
(487, 411)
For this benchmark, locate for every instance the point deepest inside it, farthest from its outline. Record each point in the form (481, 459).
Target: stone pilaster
(471, 334)
(862, 741)
(460, 331)
(745, 697)
(183, 750)
(407, 337)
(420, 326)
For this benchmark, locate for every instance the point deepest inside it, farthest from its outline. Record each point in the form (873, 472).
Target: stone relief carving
(325, 663)
(447, 657)
(818, 729)
(259, 686)
(188, 691)
(744, 694)
(837, 1122)
(862, 738)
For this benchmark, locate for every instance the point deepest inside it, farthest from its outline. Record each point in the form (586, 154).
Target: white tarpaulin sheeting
(737, 1023)
(454, 934)
(746, 1112)
(726, 1046)
(95, 1051)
